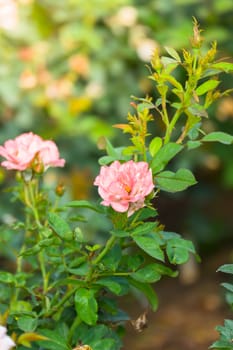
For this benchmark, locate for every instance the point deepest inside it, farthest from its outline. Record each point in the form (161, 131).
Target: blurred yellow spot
(79, 104)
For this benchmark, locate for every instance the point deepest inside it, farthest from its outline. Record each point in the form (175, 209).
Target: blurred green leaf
(218, 136)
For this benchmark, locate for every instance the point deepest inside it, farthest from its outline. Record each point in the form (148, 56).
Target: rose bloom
(124, 186)
(6, 343)
(28, 148)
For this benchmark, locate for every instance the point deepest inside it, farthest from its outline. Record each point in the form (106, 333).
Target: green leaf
(111, 151)
(152, 273)
(207, 86)
(148, 291)
(146, 227)
(164, 155)
(227, 268)
(86, 306)
(197, 111)
(60, 226)
(31, 251)
(82, 270)
(155, 145)
(218, 136)
(85, 204)
(226, 336)
(146, 213)
(150, 244)
(111, 283)
(173, 53)
(105, 160)
(144, 105)
(228, 286)
(175, 182)
(119, 233)
(6, 277)
(55, 341)
(178, 250)
(147, 274)
(224, 66)
(193, 144)
(112, 259)
(27, 323)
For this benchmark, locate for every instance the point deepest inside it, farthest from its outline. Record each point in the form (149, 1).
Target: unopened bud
(156, 61)
(60, 190)
(196, 39)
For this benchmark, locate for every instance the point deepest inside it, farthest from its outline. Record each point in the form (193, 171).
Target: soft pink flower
(6, 343)
(49, 155)
(124, 186)
(28, 148)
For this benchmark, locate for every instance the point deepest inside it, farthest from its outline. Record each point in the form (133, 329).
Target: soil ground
(187, 314)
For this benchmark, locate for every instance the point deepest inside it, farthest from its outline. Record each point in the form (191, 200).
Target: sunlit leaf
(207, 86)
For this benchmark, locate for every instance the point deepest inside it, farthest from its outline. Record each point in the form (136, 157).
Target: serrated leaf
(147, 274)
(53, 340)
(218, 136)
(207, 86)
(175, 182)
(178, 250)
(60, 226)
(227, 268)
(86, 306)
(152, 273)
(150, 244)
(228, 286)
(164, 155)
(155, 145)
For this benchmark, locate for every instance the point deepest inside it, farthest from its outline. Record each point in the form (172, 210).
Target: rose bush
(63, 288)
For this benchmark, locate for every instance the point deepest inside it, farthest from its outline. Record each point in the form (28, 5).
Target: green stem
(171, 126)
(61, 303)
(164, 108)
(75, 324)
(108, 246)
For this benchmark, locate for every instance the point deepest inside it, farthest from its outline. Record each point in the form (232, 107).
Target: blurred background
(67, 71)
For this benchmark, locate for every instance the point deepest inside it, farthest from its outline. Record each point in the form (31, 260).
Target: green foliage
(226, 331)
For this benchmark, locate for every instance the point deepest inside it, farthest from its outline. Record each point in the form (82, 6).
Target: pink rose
(124, 186)
(27, 148)
(5, 341)
(49, 155)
